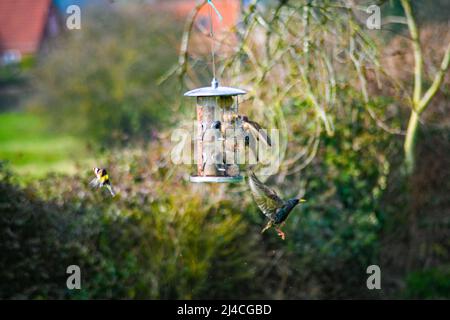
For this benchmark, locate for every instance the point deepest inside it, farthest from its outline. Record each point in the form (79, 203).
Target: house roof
(22, 24)
(229, 10)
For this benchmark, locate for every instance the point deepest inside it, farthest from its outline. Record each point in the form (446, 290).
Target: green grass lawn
(33, 151)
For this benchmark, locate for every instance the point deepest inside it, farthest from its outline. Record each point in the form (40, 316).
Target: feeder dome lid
(214, 90)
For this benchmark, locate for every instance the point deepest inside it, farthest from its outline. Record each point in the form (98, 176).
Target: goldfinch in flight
(101, 180)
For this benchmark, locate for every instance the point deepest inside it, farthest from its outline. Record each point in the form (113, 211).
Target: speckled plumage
(273, 207)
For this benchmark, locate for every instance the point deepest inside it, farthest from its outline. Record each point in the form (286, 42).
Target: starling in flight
(274, 208)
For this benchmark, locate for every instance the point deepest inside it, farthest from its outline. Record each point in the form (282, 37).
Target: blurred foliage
(335, 236)
(416, 233)
(428, 284)
(163, 237)
(149, 243)
(100, 81)
(13, 83)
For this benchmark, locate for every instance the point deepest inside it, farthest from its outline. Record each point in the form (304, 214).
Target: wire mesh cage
(220, 138)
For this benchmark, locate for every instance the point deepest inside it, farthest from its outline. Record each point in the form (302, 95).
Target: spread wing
(255, 129)
(266, 199)
(95, 183)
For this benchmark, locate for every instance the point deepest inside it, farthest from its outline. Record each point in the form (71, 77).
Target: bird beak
(302, 200)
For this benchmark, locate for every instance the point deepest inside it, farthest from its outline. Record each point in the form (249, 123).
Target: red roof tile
(229, 10)
(22, 24)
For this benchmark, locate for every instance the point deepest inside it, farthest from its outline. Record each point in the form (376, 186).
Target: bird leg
(109, 187)
(280, 233)
(268, 225)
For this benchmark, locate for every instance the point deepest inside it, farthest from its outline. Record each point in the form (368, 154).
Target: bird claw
(281, 234)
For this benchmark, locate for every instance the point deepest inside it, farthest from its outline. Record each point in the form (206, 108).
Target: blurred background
(110, 94)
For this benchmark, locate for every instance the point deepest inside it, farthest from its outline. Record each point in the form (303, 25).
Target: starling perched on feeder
(250, 126)
(274, 208)
(101, 180)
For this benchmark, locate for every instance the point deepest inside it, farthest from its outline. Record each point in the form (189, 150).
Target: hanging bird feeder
(220, 138)
(219, 142)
